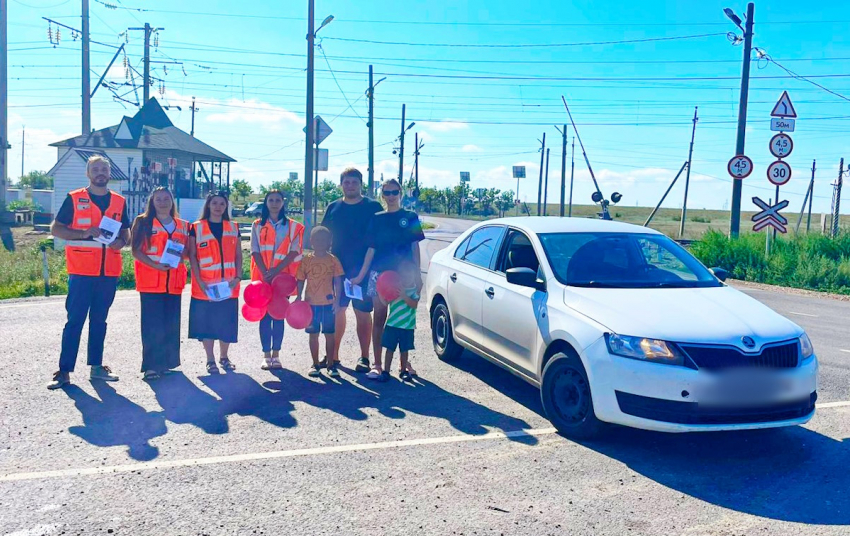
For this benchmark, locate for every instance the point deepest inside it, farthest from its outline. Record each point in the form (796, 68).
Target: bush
(24, 204)
(813, 262)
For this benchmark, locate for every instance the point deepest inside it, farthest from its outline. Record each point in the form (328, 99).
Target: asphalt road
(465, 450)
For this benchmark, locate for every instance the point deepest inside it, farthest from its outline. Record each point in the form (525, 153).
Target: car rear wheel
(565, 392)
(441, 334)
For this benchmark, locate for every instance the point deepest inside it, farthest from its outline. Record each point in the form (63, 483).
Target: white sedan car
(616, 323)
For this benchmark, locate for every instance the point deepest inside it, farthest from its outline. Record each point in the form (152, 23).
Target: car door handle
(490, 292)
(453, 277)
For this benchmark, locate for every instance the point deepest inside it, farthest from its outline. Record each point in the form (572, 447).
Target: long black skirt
(160, 331)
(214, 320)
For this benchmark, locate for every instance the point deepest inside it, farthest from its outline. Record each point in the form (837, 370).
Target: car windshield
(623, 260)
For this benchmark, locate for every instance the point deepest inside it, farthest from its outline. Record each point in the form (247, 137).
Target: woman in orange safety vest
(159, 247)
(276, 246)
(215, 254)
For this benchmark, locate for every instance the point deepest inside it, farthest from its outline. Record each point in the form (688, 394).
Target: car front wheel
(565, 392)
(441, 334)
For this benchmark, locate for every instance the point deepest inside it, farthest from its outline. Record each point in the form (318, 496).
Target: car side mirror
(525, 277)
(720, 273)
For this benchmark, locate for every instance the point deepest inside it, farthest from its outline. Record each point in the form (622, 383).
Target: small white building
(146, 151)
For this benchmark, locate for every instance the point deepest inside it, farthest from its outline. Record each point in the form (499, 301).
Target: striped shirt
(402, 315)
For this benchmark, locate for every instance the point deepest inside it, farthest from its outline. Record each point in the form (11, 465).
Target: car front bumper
(669, 398)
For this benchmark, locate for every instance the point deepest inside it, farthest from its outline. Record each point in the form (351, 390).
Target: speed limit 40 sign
(779, 173)
(740, 166)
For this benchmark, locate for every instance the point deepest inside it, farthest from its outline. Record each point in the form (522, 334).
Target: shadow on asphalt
(115, 421)
(789, 474)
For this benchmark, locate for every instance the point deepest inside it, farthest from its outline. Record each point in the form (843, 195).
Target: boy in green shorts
(401, 324)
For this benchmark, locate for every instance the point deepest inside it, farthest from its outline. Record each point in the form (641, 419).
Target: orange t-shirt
(319, 273)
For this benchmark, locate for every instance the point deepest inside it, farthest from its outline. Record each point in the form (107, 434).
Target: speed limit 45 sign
(779, 172)
(740, 166)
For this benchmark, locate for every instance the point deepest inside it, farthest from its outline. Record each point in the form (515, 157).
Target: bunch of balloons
(261, 298)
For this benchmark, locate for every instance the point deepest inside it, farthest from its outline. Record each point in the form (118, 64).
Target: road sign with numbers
(779, 173)
(740, 167)
(781, 145)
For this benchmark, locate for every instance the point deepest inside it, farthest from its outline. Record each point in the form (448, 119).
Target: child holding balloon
(399, 291)
(322, 273)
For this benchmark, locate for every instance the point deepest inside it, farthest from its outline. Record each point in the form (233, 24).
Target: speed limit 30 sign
(740, 166)
(779, 173)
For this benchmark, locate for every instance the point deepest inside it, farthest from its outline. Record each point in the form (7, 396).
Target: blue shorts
(324, 320)
(397, 338)
(364, 305)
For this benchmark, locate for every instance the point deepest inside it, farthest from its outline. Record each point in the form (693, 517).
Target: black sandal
(151, 375)
(212, 368)
(226, 364)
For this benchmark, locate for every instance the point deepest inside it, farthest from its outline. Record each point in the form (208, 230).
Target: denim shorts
(324, 320)
(364, 305)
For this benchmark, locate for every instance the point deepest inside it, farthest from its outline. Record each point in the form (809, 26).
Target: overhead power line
(528, 45)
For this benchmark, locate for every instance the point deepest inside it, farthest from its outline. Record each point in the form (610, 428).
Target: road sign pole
(572, 177)
(767, 236)
(517, 196)
(540, 180)
(563, 168)
(308, 157)
(735, 222)
(546, 186)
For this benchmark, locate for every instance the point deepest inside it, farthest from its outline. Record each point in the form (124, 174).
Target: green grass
(813, 261)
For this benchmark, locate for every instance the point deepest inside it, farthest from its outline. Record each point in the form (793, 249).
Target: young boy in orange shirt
(322, 272)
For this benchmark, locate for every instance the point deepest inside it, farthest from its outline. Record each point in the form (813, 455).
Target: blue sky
(478, 109)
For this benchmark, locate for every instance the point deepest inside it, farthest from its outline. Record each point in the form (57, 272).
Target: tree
(37, 180)
(328, 191)
(431, 198)
(505, 202)
(241, 188)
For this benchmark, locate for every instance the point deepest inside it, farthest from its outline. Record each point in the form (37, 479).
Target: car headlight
(806, 348)
(644, 349)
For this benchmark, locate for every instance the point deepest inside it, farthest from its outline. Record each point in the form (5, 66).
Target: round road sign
(781, 145)
(740, 167)
(779, 172)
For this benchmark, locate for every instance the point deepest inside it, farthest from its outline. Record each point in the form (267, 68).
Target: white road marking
(843, 350)
(826, 405)
(802, 314)
(195, 462)
(272, 455)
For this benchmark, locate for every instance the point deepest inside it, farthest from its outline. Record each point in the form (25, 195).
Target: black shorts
(397, 338)
(364, 305)
(324, 320)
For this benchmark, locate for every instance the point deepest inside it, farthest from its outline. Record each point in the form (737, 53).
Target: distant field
(667, 220)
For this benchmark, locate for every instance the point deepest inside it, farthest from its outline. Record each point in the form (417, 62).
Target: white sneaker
(373, 374)
(103, 373)
(60, 379)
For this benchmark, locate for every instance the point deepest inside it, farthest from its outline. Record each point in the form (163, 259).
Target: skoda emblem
(403, 223)
(748, 342)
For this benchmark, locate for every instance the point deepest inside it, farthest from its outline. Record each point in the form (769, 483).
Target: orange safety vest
(272, 258)
(88, 257)
(212, 256)
(151, 280)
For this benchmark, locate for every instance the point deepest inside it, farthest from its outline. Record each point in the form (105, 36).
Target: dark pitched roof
(151, 129)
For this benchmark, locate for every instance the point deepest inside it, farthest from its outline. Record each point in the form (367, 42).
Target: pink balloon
(299, 315)
(253, 314)
(258, 294)
(278, 306)
(284, 284)
(387, 285)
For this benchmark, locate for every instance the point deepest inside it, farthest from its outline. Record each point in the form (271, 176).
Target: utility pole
(401, 149)
(540, 180)
(23, 144)
(737, 184)
(147, 89)
(370, 93)
(811, 197)
(546, 185)
(836, 199)
(563, 167)
(688, 176)
(308, 151)
(806, 200)
(192, 133)
(4, 142)
(572, 176)
(86, 71)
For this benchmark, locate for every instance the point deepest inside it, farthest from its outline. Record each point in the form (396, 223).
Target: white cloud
(447, 125)
(471, 149)
(237, 112)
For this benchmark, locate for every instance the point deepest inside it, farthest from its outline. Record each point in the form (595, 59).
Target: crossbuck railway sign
(770, 216)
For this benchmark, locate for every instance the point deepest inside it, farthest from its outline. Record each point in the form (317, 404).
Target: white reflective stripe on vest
(206, 261)
(215, 268)
(90, 244)
(229, 233)
(266, 248)
(152, 250)
(83, 221)
(229, 265)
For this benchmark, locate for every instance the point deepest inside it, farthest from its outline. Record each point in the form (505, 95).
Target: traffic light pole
(735, 223)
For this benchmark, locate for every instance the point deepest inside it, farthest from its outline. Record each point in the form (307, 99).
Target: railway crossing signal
(770, 216)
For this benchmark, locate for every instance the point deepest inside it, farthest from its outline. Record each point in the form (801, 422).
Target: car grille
(777, 356)
(674, 411)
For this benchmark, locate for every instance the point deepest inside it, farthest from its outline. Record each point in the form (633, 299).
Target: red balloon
(284, 284)
(258, 294)
(253, 314)
(387, 285)
(299, 315)
(278, 307)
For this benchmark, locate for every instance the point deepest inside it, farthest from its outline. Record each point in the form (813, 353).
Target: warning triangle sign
(783, 107)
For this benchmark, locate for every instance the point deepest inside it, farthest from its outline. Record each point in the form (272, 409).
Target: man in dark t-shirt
(348, 219)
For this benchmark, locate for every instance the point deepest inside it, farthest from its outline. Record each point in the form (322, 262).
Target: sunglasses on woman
(391, 192)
